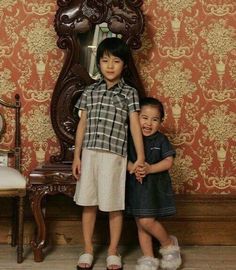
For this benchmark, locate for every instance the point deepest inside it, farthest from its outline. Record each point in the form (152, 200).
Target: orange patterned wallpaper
(188, 60)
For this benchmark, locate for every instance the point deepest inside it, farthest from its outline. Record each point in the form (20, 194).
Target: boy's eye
(156, 119)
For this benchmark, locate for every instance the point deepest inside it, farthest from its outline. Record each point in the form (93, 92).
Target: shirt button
(97, 136)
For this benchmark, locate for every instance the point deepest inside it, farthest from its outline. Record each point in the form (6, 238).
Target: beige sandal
(114, 260)
(85, 258)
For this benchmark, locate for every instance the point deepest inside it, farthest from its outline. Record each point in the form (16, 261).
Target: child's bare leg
(88, 223)
(145, 241)
(170, 251)
(115, 224)
(155, 228)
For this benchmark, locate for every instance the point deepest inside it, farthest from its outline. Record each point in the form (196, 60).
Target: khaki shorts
(102, 180)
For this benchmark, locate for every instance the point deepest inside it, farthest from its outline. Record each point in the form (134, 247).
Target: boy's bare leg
(88, 223)
(145, 241)
(155, 228)
(115, 224)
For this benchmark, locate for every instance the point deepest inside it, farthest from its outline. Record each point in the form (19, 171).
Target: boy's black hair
(150, 101)
(114, 46)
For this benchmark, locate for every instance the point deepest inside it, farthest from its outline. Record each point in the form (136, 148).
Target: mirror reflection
(89, 42)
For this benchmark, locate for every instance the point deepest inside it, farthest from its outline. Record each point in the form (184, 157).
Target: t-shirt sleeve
(82, 101)
(167, 149)
(133, 101)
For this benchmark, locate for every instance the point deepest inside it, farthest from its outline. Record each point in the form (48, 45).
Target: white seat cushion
(10, 178)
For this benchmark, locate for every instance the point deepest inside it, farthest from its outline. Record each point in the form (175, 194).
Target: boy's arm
(161, 166)
(137, 139)
(78, 144)
(130, 166)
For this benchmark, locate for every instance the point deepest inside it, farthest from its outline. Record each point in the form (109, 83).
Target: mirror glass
(89, 42)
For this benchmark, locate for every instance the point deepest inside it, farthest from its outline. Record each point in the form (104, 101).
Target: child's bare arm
(161, 166)
(78, 145)
(137, 138)
(130, 166)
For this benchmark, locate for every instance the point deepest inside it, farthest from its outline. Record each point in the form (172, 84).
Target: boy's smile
(111, 68)
(149, 119)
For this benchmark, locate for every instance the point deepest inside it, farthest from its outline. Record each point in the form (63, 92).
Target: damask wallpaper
(187, 60)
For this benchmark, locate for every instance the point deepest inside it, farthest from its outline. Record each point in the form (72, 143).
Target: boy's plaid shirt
(107, 115)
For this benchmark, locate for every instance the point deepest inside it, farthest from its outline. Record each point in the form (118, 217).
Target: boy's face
(111, 68)
(149, 118)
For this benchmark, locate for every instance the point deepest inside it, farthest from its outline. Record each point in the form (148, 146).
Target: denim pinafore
(154, 197)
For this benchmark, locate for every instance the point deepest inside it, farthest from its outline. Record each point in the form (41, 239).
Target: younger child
(152, 197)
(107, 107)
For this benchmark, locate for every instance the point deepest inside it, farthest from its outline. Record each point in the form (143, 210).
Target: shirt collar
(117, 88)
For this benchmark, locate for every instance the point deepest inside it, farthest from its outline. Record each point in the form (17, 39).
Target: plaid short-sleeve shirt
(107, 115)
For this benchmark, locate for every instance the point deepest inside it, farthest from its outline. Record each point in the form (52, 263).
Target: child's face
(111, 68)
(149, 119)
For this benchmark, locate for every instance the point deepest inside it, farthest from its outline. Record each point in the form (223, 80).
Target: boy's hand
(138, 164)
(76, 166)
(142, 171)
(139, 173)
(138, 169)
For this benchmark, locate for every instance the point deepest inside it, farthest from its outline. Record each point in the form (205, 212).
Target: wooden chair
(12, 182)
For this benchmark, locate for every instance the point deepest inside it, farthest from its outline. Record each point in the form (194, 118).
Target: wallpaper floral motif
(187, 60)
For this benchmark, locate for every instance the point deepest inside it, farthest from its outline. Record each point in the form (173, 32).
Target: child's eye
(156, 119)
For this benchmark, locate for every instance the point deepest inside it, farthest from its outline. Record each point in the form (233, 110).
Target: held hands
(76, 166)
(140, 170)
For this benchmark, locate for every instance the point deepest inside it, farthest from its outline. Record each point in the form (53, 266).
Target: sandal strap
(114, 260)
(86, 258)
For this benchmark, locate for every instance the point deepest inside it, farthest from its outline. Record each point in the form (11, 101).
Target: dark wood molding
(200, 220)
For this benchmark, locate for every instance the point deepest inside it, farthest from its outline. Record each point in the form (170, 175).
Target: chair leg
(14, 221)
(20, 230)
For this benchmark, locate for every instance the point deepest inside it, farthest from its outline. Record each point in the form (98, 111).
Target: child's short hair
(114, 46)
(150, 101)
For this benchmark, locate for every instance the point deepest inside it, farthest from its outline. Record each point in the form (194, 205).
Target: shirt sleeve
(82, 101)
(133, 101)
(167, 149)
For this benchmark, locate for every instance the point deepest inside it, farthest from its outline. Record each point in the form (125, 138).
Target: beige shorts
(102, 180)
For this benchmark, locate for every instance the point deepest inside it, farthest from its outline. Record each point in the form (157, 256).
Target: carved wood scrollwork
(76, 17)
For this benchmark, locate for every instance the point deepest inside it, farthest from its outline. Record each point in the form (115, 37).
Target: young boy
(151, 198)
(101, 139)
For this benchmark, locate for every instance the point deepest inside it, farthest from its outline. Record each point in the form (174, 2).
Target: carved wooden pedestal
(50, 179)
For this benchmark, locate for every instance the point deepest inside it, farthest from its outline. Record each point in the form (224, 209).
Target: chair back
(15, 149)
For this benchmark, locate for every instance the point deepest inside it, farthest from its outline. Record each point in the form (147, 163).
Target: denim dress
(154, 197)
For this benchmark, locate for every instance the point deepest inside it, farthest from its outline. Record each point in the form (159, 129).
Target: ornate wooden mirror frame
(74, 18)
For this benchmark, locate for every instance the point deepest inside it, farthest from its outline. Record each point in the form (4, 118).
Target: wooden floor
(65, 258)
